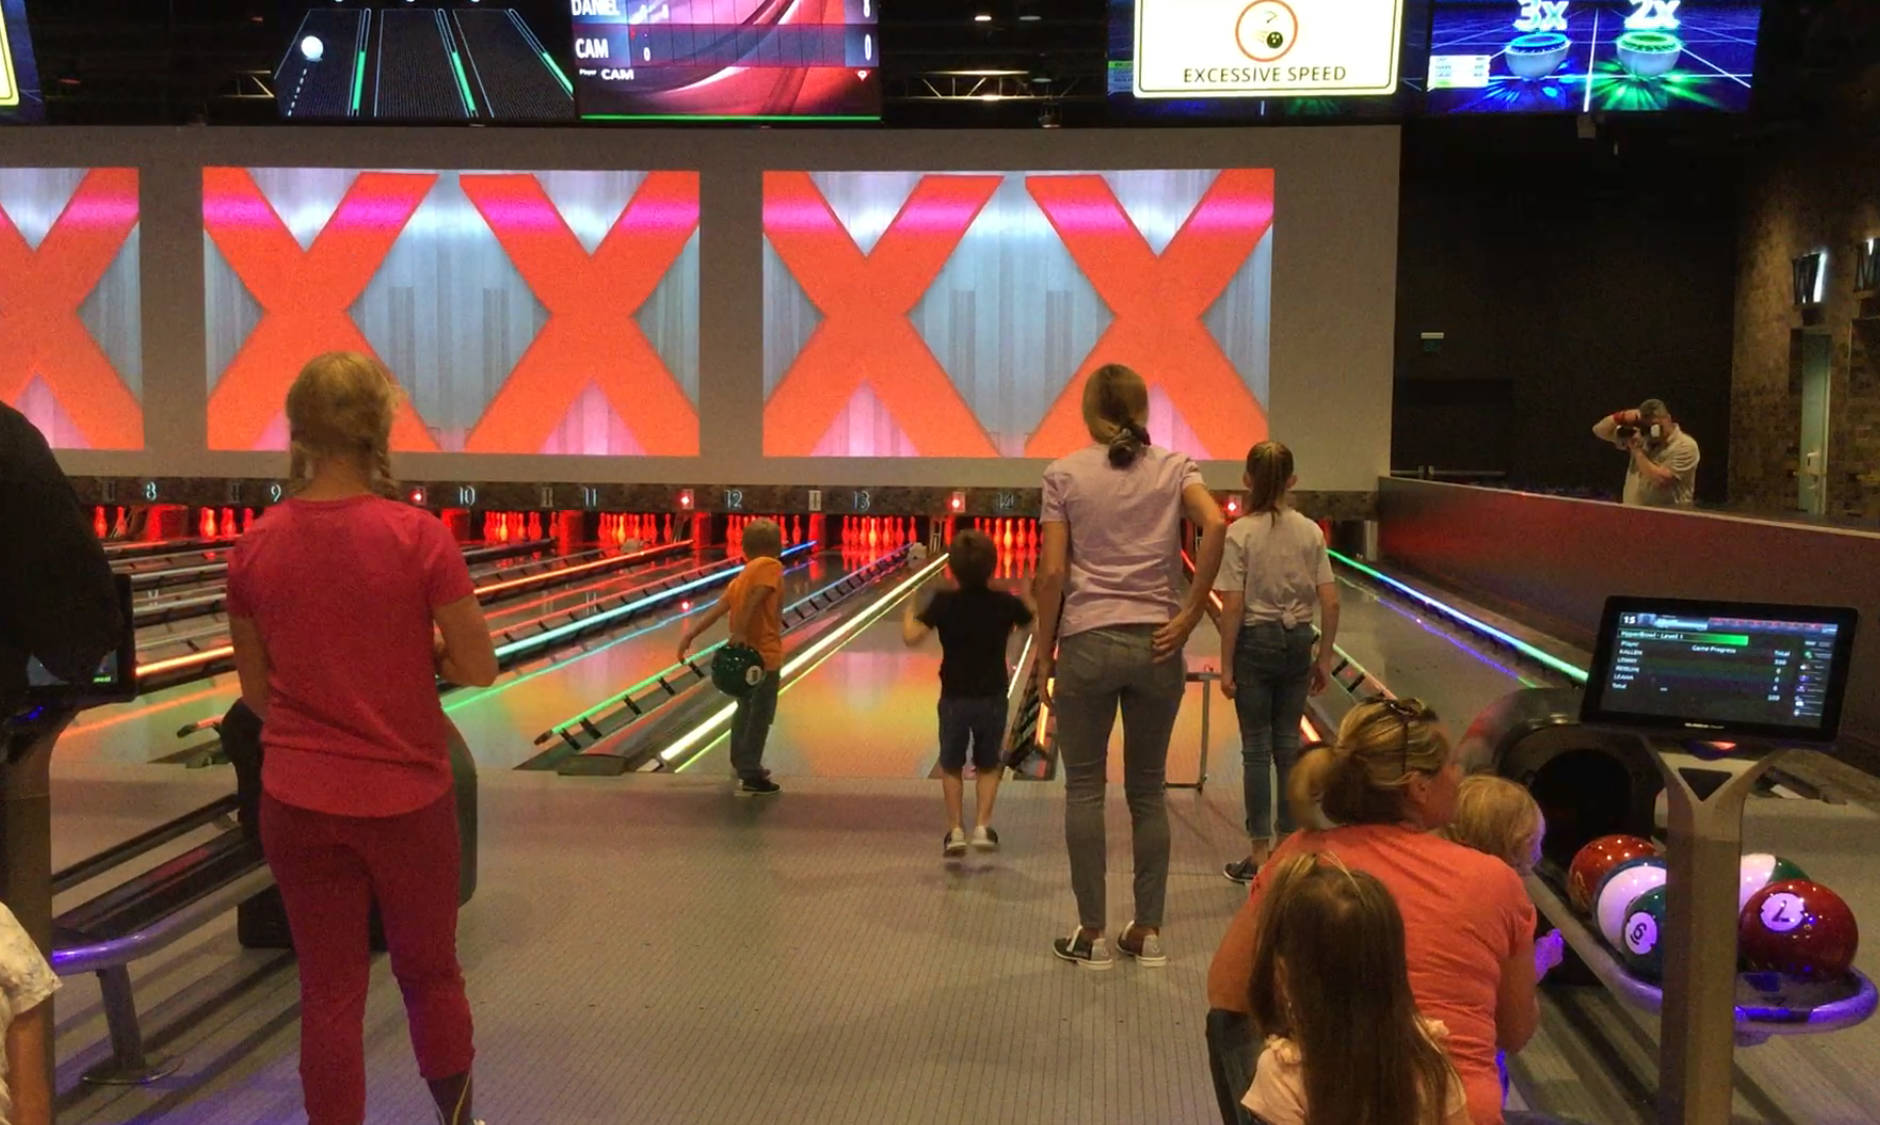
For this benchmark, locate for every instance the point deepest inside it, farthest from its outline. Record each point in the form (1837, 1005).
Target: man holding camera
(1662, 472)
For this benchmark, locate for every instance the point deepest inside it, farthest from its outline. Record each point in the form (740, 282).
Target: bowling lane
(145, 729)
(499, 722)
(1417, 653)
(865, 711)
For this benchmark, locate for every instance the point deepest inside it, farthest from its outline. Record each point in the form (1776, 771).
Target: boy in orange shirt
(754, 602)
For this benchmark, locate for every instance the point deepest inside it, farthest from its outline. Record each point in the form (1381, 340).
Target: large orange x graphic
(40, 292)
(304, 295)
(1158, 301)
(865, 299)
(591, 336)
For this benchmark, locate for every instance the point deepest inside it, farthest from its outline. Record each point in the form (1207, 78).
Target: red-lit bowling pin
(121, 523)
(665, 535)
(535, 525)
(98, 526)
(228, 522)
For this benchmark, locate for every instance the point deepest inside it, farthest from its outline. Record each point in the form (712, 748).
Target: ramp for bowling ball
(1594, 780)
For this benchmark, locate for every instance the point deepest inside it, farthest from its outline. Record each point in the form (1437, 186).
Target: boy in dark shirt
(975, 623)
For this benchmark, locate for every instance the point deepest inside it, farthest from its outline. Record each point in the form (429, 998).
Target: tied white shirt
(1278, 562)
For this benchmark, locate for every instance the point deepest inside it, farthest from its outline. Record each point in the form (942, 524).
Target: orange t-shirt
(761, 576)
(1464, 914)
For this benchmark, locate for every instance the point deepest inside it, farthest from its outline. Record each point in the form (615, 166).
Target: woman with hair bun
(1389, 779)
(1111, 561)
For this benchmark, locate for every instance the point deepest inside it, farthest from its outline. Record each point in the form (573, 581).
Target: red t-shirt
(1464, 913)
(342, 593)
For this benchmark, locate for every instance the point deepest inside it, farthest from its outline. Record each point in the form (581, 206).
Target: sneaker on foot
(1241, 870)
(954, 843)
(985, 839)
(1083, 951)
(758, 787)
(1144, 945)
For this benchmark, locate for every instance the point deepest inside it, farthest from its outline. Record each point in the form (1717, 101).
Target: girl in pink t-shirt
(345, 608)
(1331, 993)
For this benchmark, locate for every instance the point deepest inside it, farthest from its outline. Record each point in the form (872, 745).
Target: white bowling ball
(1626, 883)
(312, 49)
(1759, 869)
(917, 553)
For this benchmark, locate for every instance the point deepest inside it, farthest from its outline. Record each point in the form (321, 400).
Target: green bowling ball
(1641, 938)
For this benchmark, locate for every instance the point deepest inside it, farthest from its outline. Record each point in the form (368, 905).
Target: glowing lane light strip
(211, 655)
(1570, 671)
(585, 623)
(582, 568)
(617, 697)
(707, 731)
(359, 83)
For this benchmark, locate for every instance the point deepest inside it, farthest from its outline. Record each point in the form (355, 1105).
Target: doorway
(1811, 471)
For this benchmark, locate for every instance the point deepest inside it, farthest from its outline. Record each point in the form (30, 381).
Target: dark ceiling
(183, 61)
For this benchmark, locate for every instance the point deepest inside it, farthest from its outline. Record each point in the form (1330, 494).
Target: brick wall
(1815, 192)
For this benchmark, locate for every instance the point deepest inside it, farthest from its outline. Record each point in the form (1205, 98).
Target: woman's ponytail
(1116, 406)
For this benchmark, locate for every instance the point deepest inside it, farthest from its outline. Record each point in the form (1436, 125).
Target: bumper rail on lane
(573, 747)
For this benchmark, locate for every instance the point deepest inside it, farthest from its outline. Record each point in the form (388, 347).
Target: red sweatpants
(330, 870)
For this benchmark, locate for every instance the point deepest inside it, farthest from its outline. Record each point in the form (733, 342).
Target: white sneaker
(955, 843)
(1147, 950)
(985, 839)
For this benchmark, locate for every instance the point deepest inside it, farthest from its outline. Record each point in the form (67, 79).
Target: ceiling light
(983, 17)
(1030, 17)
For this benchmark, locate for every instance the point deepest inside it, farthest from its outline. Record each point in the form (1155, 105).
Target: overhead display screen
(1592, 56)
(1266, 48)
(522, 312)
(919, 314)
(705, 59)
(19, 76)
(1722, 666)
(1267, 60)
(71, 311)
(426, 60)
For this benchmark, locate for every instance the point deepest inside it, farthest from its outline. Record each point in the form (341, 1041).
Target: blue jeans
(1272, 670)
(750, 727)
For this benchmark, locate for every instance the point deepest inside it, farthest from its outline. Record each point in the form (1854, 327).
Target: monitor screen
(1729, 667)
(1592, 56)
(20, 99)
(727, 59)
(426, 60)
(1280, 60)
(115, 678)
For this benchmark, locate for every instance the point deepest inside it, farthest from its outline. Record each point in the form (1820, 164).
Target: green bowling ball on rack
(1759, 869)
(1641, 936)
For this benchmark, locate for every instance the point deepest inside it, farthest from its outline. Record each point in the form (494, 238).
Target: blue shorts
(977, 722)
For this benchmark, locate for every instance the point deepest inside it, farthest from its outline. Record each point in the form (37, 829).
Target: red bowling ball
(1592, 863)
(1799, 928)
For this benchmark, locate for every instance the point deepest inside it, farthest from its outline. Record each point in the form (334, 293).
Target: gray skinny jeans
(1098, 671)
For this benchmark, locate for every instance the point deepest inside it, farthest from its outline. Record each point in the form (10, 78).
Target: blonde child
(1500, 818)
(754, 602)
(345, 607)
(1275, 573)
(1331, 993)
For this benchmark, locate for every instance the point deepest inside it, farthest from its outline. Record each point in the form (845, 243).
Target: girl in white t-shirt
(1331, 993)
(1274, 574)
(25, 983)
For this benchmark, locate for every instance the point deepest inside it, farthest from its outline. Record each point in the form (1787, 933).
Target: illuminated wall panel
(71, 335)
(956, 314)
(522, 312)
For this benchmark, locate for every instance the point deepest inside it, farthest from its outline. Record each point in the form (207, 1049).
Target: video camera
(1652, 432)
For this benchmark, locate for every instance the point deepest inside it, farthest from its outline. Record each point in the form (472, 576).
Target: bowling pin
(535, 525)
(666, 532)
(98, 526)
(228, 522)
(121, 525)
